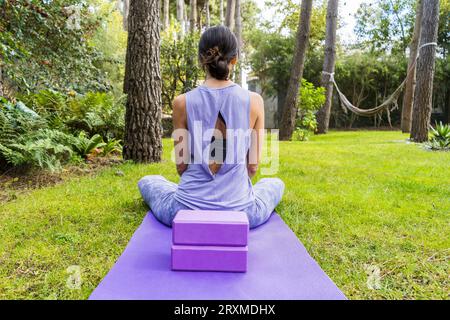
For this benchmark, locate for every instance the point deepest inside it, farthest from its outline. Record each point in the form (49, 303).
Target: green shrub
(301, 134)
(311, 99)
(308, 121)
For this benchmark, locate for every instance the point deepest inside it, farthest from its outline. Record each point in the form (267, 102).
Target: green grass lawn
(357, 200)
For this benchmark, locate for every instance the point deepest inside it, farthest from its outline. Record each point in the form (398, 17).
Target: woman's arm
(257, 138)
(180, 134)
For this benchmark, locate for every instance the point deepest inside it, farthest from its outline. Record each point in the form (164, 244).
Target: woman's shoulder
(246, 94)
(256, 102)
(179, 103)
(256, 97)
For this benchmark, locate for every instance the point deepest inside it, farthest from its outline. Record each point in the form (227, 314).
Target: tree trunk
(166, 21)
(448, 105)
(238, 33)
(180, 15)
(323, 115)
(142, 85)
(199, 19)
(281, 99)
(186, 20)
(301, 46)
(423, 97)
(190, 81)
(1, 80)
(408, 97)
(125, 13)
(221, 12)
(193, 15)
(207, 13)
(229, 19)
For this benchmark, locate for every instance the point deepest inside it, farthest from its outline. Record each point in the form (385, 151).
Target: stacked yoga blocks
(210, 241)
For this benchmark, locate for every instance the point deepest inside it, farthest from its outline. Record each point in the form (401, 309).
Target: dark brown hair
(217, 47)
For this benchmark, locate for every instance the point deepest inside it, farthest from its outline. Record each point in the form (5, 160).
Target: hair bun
(217, 47)
(213, 52)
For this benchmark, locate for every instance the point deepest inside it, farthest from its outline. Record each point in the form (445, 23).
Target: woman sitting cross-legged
(218, 133)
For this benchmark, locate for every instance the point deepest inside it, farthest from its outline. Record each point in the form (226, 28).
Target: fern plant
(98, 113)
(111, 147)
(50, 104)
(43, 153)
(85, 146)
(25, 141)
(14, 122)
(45, 149)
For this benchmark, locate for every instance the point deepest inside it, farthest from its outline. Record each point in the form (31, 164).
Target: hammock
(389, 105)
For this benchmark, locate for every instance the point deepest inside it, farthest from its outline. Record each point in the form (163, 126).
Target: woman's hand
(181, 168)
(252, 169)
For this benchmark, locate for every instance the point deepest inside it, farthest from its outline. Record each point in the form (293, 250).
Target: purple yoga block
(210, 228)
(209, 258)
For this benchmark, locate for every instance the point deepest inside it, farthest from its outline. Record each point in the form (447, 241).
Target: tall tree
(207, 13)
(425, 72)
(125, 12)
(186, 19)
(49, 46)
(166, 21)
(323, 115)
(1, 80)
(142, 84)
(238, 33)
(222, 19)
(383, 24)
(229, 18)
(289, 111)
(199, 16)
(408, 97)
(180, 15)
(193, 15)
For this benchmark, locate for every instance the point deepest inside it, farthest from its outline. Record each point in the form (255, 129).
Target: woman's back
(229, 187)
(218, 137)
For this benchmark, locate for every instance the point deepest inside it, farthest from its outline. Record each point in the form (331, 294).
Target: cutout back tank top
(230, 188)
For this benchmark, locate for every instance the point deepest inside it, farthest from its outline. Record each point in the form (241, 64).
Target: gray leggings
(159, 193)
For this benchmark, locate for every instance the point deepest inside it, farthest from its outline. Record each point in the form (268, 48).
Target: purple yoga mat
(279, 268)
